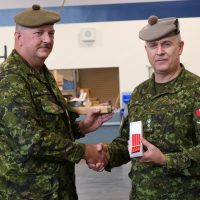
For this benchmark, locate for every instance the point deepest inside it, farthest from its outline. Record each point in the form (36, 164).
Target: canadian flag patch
(197, 112)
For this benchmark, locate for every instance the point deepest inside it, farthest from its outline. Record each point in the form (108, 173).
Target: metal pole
(5, 52)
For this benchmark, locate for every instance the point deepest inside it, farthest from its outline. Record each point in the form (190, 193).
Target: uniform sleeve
(24, 133)
(118, 149)
(187, 162)
(75, 125)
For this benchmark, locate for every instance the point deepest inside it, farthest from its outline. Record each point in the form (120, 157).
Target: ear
(18, 37)
(181, 44)
(145, 46)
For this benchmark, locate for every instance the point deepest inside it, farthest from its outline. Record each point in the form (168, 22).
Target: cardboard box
(87, 91)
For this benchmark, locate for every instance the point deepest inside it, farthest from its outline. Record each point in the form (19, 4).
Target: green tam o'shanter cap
(159, 28)
(35, 16)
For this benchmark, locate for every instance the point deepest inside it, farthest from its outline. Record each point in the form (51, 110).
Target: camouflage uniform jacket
(171, 121)
(37, 135)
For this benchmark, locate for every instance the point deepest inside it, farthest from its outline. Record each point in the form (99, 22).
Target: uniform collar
(46, 77)
(172, 87)
(27, 68)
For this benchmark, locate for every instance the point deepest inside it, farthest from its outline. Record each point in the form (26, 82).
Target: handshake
(96, 156)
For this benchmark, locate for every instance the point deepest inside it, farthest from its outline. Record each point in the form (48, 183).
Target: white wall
(116, 44)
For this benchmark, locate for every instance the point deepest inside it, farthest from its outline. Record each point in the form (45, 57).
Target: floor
(93, 185)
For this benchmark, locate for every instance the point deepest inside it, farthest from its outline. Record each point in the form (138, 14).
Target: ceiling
(9, 4)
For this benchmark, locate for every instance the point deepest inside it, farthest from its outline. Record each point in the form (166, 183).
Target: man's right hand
(96, 156)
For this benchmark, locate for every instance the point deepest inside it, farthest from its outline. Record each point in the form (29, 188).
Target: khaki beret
(35, 16)
(159, 28)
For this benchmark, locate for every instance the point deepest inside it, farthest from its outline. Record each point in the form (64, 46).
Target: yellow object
(84, 110)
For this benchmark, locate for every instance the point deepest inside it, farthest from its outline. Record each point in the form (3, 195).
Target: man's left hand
(153, 155)
(93, 120)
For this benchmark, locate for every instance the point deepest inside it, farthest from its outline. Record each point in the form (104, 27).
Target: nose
(47, 38)
(160, 49)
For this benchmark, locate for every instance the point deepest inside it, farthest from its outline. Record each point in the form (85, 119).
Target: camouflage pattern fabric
(37, 135)
(171, 121)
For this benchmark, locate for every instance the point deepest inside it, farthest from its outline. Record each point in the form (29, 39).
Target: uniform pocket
(50, 107)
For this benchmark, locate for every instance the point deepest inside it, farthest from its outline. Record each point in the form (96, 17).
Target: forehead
(166, 39)
(44, 28)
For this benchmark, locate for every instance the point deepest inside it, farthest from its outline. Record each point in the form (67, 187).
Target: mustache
(45, 45)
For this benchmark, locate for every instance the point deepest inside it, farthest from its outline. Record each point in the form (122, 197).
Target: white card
(135, 136)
